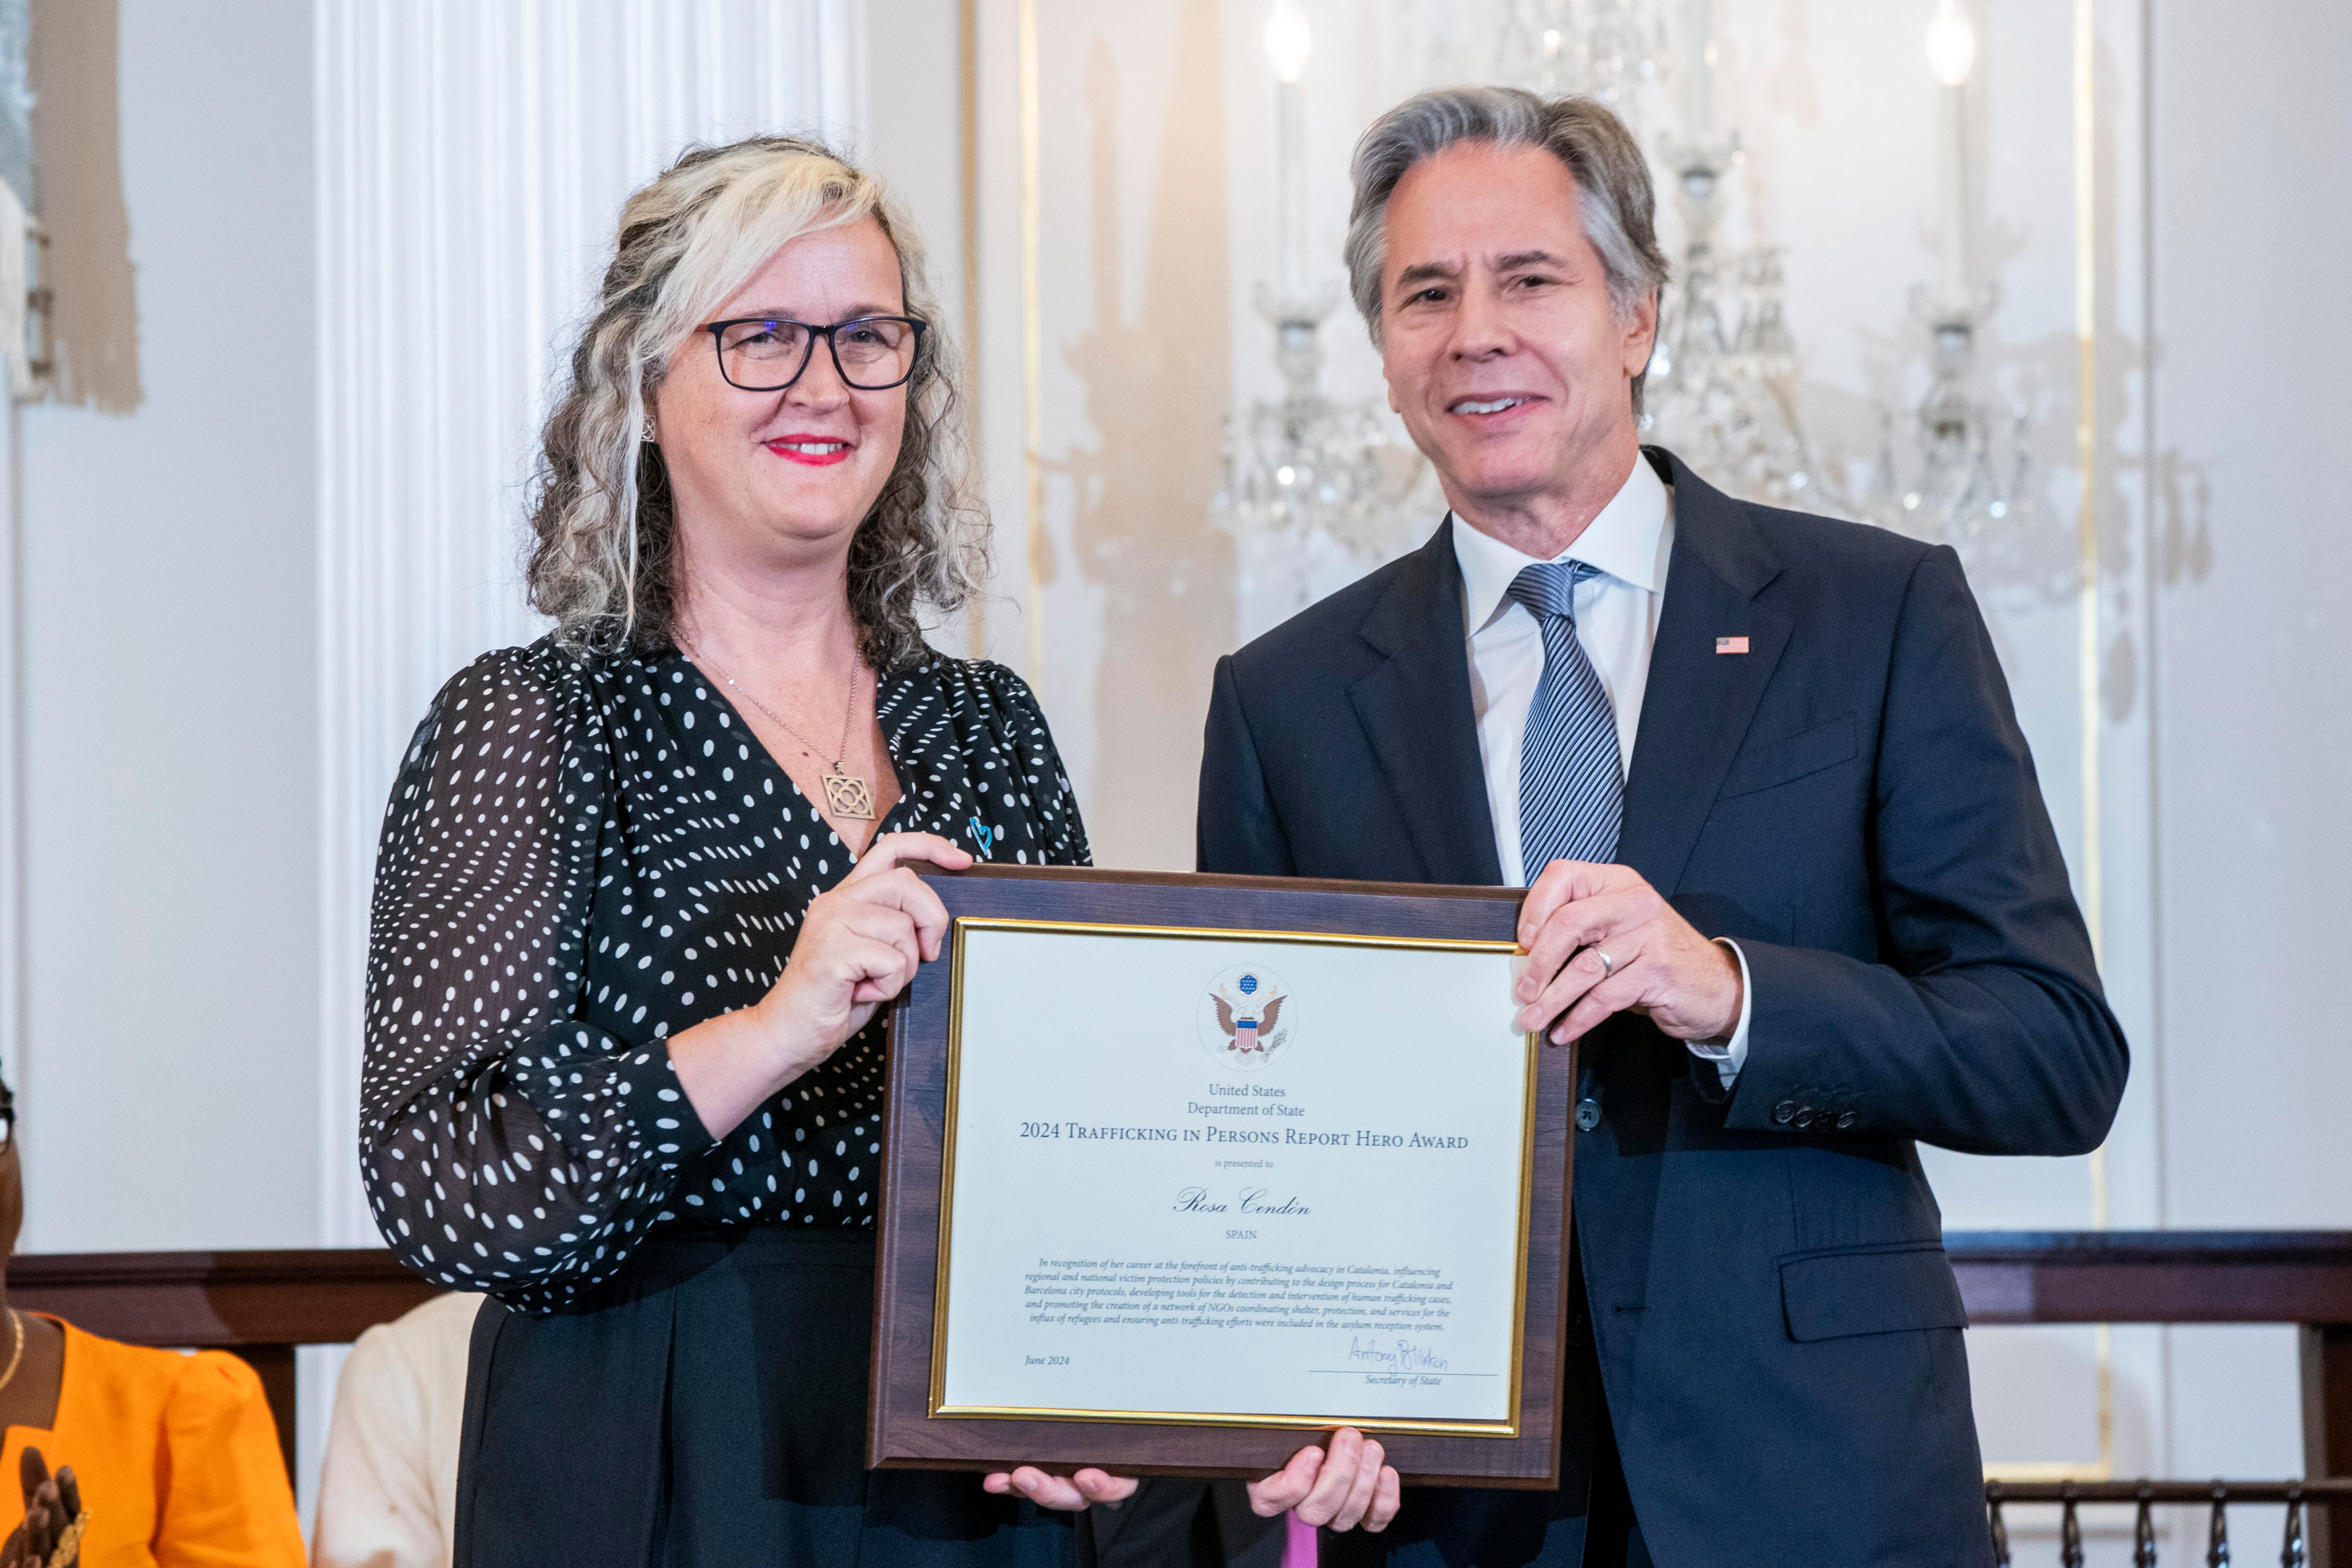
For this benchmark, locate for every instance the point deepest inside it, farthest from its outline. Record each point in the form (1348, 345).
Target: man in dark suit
(1791, 881)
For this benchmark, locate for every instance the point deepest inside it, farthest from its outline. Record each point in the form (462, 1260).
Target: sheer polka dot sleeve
(508, 1142)
(1036, 771)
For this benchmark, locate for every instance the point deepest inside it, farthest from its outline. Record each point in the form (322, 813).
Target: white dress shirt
(1616, 621)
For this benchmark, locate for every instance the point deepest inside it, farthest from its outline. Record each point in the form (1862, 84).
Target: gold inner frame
(940, 1410)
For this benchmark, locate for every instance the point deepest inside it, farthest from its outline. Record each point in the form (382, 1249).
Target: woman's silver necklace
(847, 795)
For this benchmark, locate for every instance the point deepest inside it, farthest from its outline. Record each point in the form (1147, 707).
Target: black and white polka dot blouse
(584, 856)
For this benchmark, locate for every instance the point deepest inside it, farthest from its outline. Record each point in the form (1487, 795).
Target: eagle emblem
(1243, 1031)
(1244, 1026)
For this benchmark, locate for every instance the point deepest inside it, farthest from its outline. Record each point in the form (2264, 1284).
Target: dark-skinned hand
(51, 1503)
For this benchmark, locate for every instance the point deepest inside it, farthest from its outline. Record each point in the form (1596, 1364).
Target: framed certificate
(1183, 1170)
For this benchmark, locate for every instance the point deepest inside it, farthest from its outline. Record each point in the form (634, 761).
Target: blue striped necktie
(1571, 783)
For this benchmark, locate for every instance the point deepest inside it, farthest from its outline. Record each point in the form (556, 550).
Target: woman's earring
(647, 432)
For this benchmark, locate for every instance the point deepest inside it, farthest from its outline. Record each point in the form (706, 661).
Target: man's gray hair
(1612, 181)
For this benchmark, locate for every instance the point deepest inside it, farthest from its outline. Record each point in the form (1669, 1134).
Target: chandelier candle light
(1951, 54)
(1722, 389)
(1288, 45)
(1312, 488)
(1723, 394)
(1969, 468)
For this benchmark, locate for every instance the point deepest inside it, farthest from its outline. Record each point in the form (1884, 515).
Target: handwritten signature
(1397, 1355)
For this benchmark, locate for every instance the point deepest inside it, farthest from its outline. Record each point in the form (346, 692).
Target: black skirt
(710, 1408)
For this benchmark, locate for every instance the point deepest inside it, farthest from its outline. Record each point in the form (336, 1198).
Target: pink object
(1731, 645)
(1298, 1551)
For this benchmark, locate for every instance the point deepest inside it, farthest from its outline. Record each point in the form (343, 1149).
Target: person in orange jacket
(159, 1459)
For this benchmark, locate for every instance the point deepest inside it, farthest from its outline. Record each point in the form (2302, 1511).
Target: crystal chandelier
(1722, 389)
(1307, 463)
(1956, 465)
(1607, 50)
(1313, 488)
(1722, 384)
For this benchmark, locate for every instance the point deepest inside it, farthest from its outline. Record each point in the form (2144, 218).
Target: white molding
(471, 155)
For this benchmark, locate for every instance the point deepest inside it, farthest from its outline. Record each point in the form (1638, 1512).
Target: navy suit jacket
(1772, 1314)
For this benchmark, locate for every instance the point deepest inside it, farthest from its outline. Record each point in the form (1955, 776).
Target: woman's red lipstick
(817, 451)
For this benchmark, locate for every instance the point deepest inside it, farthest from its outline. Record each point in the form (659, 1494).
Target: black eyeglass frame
(808, 352)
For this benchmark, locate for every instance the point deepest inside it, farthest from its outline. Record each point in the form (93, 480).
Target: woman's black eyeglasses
(764, 353)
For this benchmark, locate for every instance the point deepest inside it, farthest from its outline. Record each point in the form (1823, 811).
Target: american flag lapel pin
(1731, 645)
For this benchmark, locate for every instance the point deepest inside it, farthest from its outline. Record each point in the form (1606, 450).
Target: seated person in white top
(388, 1490)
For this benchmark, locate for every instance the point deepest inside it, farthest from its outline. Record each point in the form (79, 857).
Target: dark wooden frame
(901, 1433)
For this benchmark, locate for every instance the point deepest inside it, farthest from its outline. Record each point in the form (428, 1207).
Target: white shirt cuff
(1729, 1055)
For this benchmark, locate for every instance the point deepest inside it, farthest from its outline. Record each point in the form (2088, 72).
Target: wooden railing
(2143, 1497)
(257, 1305)
(261, 1305)
(2300, 1276)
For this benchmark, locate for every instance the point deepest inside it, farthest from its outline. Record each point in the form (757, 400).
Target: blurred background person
(50, 1533)
(173, 1458)
(388, 1485)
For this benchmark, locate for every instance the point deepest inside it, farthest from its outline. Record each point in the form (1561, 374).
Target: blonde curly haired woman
(595, 1088)
(645, 884)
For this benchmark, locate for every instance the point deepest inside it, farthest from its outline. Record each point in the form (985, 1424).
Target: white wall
(2248, 574)
(169, 726)
(2253, 580)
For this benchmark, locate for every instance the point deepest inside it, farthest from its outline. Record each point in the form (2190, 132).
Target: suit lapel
(1416, 711)
(1698, 706)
